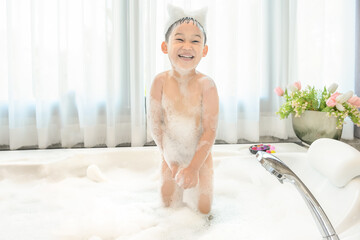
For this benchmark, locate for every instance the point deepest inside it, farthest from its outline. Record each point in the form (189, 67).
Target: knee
(205, 208)
(204, 204)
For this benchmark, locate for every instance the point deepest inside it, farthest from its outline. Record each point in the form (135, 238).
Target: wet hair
(181, 21)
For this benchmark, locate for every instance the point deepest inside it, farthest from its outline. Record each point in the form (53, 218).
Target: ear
(164, 47)
(205, 50)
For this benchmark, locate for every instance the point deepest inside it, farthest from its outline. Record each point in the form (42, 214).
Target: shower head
(275, 166)
(282, 172)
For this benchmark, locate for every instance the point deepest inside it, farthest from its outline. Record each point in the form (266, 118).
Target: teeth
(185, 56)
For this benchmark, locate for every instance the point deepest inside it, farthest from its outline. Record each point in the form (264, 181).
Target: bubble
(93, 172)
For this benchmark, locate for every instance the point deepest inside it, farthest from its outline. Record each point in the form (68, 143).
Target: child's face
(185, 47)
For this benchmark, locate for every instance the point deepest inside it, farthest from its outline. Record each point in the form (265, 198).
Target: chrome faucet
(283, 173)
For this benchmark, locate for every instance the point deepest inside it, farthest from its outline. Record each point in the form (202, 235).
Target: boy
(183, 115)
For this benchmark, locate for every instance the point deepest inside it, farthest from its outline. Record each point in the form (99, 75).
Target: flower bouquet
(339, 105)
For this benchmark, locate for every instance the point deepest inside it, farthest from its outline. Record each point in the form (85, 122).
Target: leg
(206, 186)
(171, 193)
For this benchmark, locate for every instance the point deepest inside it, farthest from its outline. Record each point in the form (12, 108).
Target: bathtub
(113, 193)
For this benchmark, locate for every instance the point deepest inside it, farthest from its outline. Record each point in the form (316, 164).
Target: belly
(180, 140)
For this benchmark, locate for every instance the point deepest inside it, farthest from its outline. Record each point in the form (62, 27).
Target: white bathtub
(47, 194)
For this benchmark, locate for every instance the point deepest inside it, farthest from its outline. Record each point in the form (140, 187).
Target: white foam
(129, 207)
(93, 172)
(181, 135)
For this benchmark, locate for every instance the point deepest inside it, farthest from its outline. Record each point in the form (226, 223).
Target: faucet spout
(283, 173)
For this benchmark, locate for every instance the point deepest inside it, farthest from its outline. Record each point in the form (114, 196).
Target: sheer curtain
(255, 46)
(66, 76)
(78, 71)
(326, 46)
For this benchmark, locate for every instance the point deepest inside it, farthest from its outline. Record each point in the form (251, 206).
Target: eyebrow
(195, 35)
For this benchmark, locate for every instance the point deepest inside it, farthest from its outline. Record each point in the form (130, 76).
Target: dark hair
(181, 21)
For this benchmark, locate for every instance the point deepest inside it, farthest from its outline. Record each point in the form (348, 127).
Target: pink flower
(354, 101)
(334, 95)
(279, 91)
(331, 102)
(336, 99)
(298, 85)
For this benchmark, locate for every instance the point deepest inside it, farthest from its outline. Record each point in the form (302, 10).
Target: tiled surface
(355, 143)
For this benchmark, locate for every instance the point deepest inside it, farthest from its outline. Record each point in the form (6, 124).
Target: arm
(155, 112)
(209, 123)
(210, 110)
(157, 118)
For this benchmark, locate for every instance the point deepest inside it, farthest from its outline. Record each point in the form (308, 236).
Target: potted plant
(318, 113)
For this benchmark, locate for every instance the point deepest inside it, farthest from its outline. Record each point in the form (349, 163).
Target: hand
(187, 178)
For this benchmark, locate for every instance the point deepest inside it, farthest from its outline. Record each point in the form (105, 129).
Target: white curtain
(75, 71)
(67, 76)
(326, 46)
(255, 46)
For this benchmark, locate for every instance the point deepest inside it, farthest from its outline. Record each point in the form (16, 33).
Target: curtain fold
(77, 72)
(68, 74)
(278, 63)
(326, 46)
(138, 65)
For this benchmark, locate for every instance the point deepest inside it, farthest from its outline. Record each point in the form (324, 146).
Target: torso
(182, 107)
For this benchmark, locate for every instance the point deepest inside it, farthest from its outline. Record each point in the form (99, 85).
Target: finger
(182, 182)
(193, 184)
(190, 185)
(187, 183)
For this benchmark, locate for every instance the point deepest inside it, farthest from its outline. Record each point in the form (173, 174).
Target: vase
(312, 125)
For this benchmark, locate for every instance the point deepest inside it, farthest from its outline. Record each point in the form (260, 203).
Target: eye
(179, 39)
(195, 41)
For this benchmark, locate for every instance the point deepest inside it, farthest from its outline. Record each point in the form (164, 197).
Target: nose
(187, 45)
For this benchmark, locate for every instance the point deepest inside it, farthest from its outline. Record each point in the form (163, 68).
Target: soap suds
(128, 206)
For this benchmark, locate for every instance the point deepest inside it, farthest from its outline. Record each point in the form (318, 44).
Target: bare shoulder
(160, 78)
(210, 99)
(158, 82)
(206, 82)
(157, 86)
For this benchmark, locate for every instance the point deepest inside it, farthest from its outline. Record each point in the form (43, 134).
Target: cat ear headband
(176, 13)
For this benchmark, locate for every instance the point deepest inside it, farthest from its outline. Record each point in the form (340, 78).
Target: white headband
(176, 13)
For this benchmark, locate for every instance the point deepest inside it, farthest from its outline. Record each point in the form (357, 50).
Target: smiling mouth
(186, 57)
